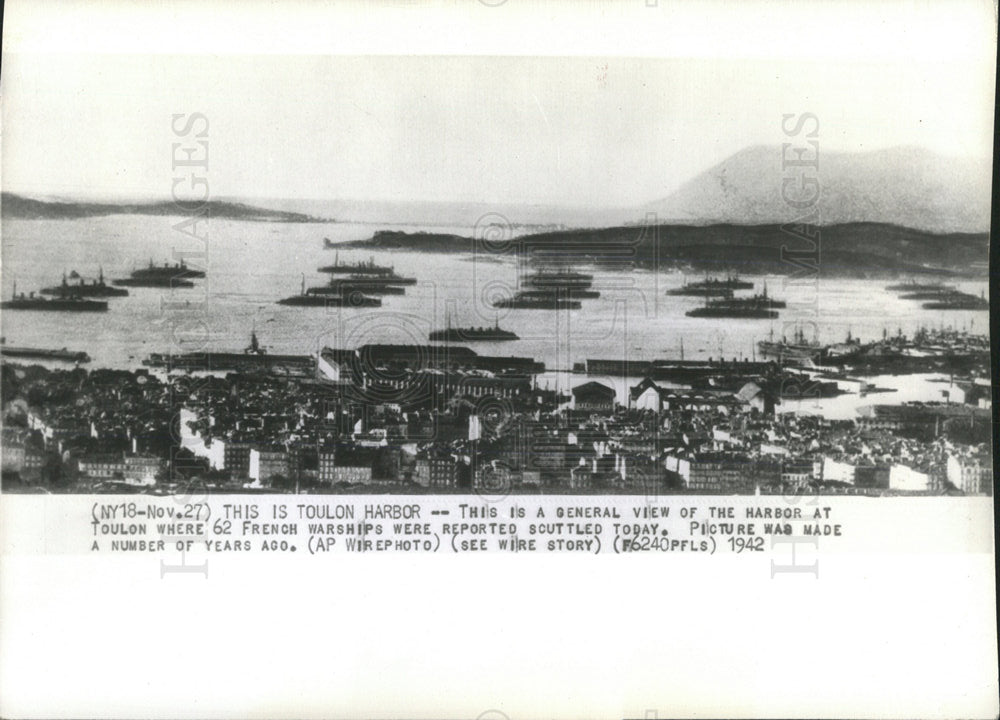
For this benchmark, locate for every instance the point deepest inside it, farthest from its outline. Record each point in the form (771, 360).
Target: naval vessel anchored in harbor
(82, 288)
(712, 287)
(68, 303)
(473, 334)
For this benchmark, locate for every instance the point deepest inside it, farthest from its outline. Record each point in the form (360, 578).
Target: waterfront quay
(413, 419)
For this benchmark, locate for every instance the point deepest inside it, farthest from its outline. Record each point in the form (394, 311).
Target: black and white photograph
(333, 287)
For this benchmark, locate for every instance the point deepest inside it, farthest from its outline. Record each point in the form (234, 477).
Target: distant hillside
(905, 186)
(850, 249)
(17, 206)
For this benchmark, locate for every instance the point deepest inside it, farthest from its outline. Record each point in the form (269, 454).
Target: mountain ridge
(18, 206)
(846, 249)
(908, 186)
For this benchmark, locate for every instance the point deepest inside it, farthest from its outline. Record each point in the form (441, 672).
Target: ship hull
(700, 292)
(928, 295)
(780, 352)
(568, 293)
(919, 287)
(154, 283)
(330, 301)
(539, 304)
(167, 273)
(975, 304)
(88, 291)
(230, 361)
(42, 354)
(471, 335)
(56, 305)
(709, 312)
(371, 288)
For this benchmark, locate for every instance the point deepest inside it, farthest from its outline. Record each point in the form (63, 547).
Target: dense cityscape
(411, 419)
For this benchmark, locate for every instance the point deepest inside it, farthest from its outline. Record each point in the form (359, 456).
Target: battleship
(82, 288)
(569, 292)
(358, 268)
(254, 357)
(178, 275)
(918, 287)
(942, 292)
(756, 306)
(538, 300)
(28, 353)
(389, 278)
(177, 270)
(67, 303)
(154, 282)
(733, 309)
(558, 279)
(351, 284)
(958, 301)
(711, 287)
(352, 299)
(473, 334)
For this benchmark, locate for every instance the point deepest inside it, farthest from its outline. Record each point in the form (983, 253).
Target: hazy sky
(568, 130)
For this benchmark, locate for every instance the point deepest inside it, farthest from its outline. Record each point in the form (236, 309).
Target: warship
(153, 282)
(958, 301)
(571, 293)
(756, 306)
(558, 280)
(711, 287)
(177, 270)
(341, 286)
(943, 292)
(352, 299)
(473, 334)
(918, 287)
(358, 268)
(254, 357)
(538, 300)
(66, 303)
(13, 351)
(81, 288)
(178, 275)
